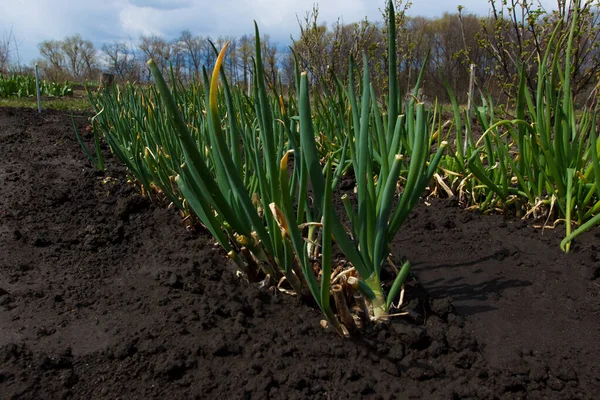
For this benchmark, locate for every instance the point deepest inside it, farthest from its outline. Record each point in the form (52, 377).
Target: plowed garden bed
(105, 295)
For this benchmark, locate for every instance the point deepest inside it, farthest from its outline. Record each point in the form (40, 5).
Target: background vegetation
(514, 32)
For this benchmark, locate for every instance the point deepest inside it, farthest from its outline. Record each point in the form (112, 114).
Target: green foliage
(235, 174)
(24, 86)
(542, 162)
(57, 103)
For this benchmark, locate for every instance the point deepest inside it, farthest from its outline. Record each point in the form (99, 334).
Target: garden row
(25, 86)
(260, 171)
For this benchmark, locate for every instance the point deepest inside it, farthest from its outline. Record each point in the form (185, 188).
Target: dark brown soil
(104, 295)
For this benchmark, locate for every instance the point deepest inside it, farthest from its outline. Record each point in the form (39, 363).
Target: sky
(33, 21)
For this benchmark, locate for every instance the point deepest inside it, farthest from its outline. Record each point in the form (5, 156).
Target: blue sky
(33, 21)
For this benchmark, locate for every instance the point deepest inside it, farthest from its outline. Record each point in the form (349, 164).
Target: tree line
(512, 37)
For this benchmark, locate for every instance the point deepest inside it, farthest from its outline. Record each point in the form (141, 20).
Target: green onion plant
(543, 160)
(255, 173)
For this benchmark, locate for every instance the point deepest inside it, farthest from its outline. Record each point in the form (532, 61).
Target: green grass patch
(77, 102)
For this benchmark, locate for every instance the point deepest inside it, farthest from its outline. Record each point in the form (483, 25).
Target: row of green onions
(543, 161)
(24, 86)
(243, 165)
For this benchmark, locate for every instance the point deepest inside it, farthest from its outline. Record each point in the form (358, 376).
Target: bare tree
(322, 51)
(311, 46)
(156, 48)
(232, 62)
(288, 69)
(245, 52)
(72, 58)
(54, 60)
(518, 33)
(8, 45)
(80, 56)
(270, 61)
(208, 54)
(122, 61)
(192, 47)
(177, 60)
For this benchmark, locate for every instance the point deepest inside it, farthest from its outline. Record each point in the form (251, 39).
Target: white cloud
(33, 21)
(161, 4)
